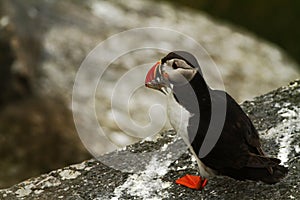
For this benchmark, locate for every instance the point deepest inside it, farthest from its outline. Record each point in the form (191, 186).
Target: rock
(37, 135)
(50, 39)
(37, 132)
(158, 163)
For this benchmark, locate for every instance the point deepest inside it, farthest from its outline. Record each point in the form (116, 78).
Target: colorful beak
(153, 79)
(152, 73)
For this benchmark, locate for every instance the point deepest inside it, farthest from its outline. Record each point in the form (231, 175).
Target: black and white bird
(236, 150)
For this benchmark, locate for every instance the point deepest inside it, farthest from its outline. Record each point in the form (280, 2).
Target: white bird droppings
(146, 184)
(49, 181)
(284, 132)
(79, 166)
(38, 191)
(297, 148)
(24, 191)
(69, 174)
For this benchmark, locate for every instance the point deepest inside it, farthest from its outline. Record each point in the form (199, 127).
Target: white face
(178, 72)
(164, 77)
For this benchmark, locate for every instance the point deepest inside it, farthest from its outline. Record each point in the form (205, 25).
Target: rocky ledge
(147, 170)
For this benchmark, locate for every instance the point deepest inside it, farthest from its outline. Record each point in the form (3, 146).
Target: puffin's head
(176, 69)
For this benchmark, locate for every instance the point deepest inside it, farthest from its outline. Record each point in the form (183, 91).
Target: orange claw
(191, 181)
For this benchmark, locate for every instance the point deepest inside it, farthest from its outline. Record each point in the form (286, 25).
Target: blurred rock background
(43, 43)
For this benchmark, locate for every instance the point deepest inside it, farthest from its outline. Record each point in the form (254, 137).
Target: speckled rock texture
(147, 170)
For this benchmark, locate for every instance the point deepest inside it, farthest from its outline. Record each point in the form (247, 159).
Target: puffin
(217, 131)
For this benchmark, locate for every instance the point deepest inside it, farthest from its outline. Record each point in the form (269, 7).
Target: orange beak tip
(192, 182)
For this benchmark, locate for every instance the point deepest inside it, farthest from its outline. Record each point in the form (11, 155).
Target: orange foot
(193, 182)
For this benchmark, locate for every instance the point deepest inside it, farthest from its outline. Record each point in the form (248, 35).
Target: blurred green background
(276, 20)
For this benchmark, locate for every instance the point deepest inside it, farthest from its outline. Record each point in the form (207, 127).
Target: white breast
(179, 119)
(178, 116)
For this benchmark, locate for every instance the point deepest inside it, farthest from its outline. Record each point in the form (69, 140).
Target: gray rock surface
(147, 170)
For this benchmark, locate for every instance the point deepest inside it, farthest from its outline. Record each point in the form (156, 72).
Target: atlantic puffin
(237, 151)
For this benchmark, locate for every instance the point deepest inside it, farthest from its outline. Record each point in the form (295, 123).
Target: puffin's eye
(174, 66)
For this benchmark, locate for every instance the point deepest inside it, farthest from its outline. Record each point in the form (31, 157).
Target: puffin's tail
(260, 168)
(266, 169)
(279, 172)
